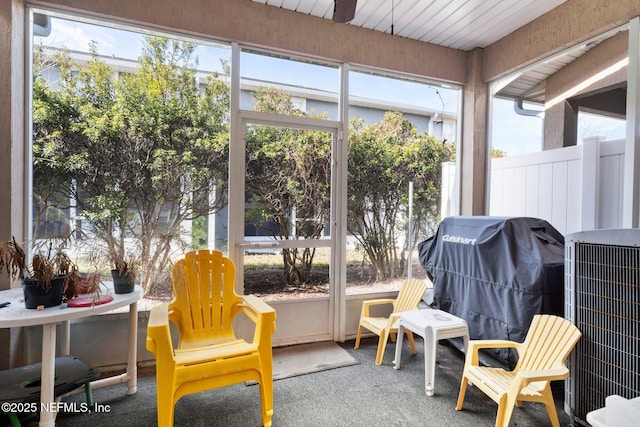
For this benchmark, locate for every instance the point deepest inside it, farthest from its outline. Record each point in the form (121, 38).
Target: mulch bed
(270, 283)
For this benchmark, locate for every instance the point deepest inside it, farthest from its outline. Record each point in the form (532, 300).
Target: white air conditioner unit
(602, 298)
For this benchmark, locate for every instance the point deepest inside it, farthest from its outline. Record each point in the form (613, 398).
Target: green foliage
(138, 153)
(199, 233)
(383, 159)
(288, 175)
(496, 153)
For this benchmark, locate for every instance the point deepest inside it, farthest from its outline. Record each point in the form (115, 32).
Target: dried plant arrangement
(43, 268)
(12, 259)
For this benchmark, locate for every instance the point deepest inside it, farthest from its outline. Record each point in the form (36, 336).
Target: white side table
(431, 325)
(618, 411)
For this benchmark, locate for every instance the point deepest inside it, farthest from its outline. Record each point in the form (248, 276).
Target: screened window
(400, 132)
(130, 145)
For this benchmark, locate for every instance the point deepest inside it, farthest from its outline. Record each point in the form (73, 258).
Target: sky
(511, 133)
(515, 134)
(523, 134)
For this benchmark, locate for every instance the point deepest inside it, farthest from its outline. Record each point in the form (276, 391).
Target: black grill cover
(496, 273)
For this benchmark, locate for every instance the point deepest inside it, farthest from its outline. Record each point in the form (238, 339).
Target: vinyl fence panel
(573, 188)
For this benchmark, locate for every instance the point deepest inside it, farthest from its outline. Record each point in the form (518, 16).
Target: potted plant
(88, 283)
(45, 279)
(124, 272)
(124, 264)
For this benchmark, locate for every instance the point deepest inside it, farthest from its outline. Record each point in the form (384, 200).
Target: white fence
(574, 188)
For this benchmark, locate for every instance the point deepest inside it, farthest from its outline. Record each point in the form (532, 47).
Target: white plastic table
(431, 325)
(16, 315)
(618, 411)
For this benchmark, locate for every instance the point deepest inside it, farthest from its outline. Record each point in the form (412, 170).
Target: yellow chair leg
(165, 397)
(505, 410)
(358, 337)
(382, 343)
(412, 342)
(550, 406)
(165, 412)
(266, 398)
(500, 414)
(463, 390)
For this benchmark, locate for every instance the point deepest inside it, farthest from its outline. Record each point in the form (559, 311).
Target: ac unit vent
(602, 285)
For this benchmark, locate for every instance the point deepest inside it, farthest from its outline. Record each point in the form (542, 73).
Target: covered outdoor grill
(496, 273)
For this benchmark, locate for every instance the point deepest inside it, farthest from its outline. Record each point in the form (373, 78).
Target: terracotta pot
(84, 282)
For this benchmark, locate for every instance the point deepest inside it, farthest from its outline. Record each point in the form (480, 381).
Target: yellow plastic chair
(408, 298)
(208, 354)
(542, 358)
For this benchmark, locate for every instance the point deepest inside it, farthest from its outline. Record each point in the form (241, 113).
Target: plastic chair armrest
(257, 305)
(476, 345)
(372, 302)
(158, 332)
(545, 375)
(262, 314)
(378, 301)
(493, 344)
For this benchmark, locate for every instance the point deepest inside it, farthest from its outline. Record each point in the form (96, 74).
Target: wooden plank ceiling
(457, 24)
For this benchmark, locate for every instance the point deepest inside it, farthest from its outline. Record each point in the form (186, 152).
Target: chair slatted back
(410, 295)
(548, 343)
(204, 296)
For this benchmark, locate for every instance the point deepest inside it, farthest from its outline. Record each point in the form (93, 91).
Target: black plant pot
(123, 283)
(35, 294)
